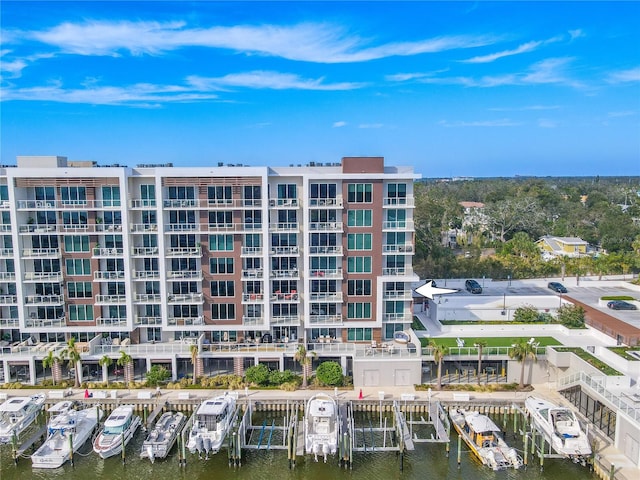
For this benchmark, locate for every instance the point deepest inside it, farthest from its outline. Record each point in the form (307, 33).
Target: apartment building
(226, 254)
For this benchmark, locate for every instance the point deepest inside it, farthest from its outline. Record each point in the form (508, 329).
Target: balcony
(79, 204)
(147, 298)
(326, 226)
(224, 227)
(42, 276)
(184, 274)
(285, 273)
(44, 299)
(404, 248)
(284, 250)
(145, 274)
(146, 203)
(7, 276)
(397, 202)
(402, 317)
(326, 202)
(8, 299)
(327, 273)
(6, 252)
(325, 319)
(398, 225)
(108, 275)
(253, 321)
(284, 203)
(284, 227)
(251, 251)
(147, 320)
(185, 321)
(108, 227)
(110, 299)
(332, 297)
(143, 227)
(398, 295)
(186, 203)
(144, 251)
(326, 250)
(228, 203)
(397, 271)
(284, 297)
(111, 322)
(9, 323)
(252, 297)
(45, 322)
(183, 227)
(5, 204)
(286, 321)
(5, 227)
(185, 298)
(108, 252)
(253, 273)
(41, 253)
(35, 228)
(184, 252)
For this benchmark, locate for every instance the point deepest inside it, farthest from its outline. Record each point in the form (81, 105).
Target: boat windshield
(113, 430)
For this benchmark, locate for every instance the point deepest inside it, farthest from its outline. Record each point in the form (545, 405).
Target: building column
(174, 369)
(238, 366)
(32, 370)
(5, 369)
(56, 372)
(281, 364)
(148, 363)
(343, 363)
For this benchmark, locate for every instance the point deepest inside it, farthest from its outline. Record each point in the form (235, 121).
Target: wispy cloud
(503, 122)
(13, 67)
(371, 125)
(268, 80)
(339, 124)
(309, 42)
(526, 47)
(404, 77)
(577, 33)
(625, 76)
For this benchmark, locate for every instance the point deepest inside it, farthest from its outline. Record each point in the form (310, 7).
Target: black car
(473, 286)
(621, 305)
(557, 287)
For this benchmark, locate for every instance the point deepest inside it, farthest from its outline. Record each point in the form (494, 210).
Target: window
(74, 218)
(79, 290)
(4, 193)
(154, 334)
(359, 287)
(221, 265)
(222, 289)
(324, 263)
(220, 219)
(359, 192)
(287, 191)
(110, 196)
(78, 266)
(80, 313)
(359, 218)
(397, 193)
(252, 219)
(359, 264)
(325, 332)
(148, 195)
(73, 195)
(391, 328)
(253, 240)
(76, 243)
(397, 218)
(358, 310)
(219, 194)
(181, 193)
(284, 310)
(394, 307)
(323, 190)
(359, 334)
(359, 241)
(45, 193)
(284, 240)
(253, 287)
(223, 311)
(252, 195)
(221, 243)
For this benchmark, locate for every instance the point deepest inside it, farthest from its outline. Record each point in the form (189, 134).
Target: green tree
(257, 374)
(526, 314)
(439, 352)
(305, 359)
(571, 316)
(480, 344)
(330, 373)
(105, 362)
(157, 374)
(521, 351)
(126, 362)
(72, 355)
(49, 362)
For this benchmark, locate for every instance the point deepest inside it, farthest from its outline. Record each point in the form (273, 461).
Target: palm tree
(72, 355)
(305, 359)
(480, 344)
(49, 362)
(105, 362)
(126, 362)
(439, 351)
(521, 351)
(195, 351)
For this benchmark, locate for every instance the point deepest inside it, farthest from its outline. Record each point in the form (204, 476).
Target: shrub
(526, 314)
(157, 374)
(571, 316)
(257, 374)
(276, 377)
(289, 386)
(330, 373)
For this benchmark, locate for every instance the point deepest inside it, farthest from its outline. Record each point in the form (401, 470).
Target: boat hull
(160, 443)
(109, 445)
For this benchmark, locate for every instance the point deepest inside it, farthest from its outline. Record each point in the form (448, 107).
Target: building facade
(229, 254)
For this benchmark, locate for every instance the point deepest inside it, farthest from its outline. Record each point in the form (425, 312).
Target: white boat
(67, 429)
(17, 413)
(321, 426)
(561, 427)
(485, 440)
(211, 422)
(163, 436)
(119, 429)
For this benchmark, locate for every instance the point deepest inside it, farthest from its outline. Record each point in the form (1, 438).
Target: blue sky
(452, 88)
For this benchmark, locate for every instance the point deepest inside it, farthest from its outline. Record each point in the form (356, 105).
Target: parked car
(621, 305)
(473, 286)
(557, 287)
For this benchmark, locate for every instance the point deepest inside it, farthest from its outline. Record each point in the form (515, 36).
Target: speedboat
(17, 413)
(321, 426)
(119, 429)
(68, 430)
(163, 436)
(484, 439)
(561, 427)
(212, 421)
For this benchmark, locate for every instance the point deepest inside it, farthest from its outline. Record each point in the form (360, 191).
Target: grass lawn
(491, 341)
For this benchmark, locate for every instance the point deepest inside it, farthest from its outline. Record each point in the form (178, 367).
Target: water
(428, 461)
